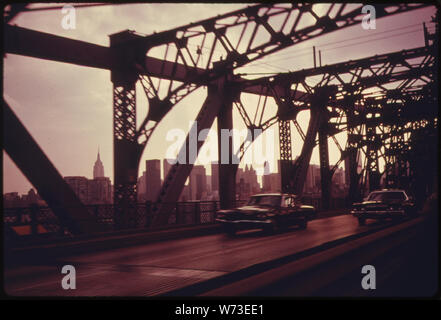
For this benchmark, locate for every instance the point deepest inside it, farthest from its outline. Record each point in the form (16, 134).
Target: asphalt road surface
(157, 268)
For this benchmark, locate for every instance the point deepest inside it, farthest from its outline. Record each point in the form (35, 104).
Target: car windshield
(265, 200)
(386, 196)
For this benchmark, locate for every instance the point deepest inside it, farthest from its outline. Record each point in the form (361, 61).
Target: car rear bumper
(244, 223)
(379, 214)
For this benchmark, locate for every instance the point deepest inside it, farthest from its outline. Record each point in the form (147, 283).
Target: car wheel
(361, 221)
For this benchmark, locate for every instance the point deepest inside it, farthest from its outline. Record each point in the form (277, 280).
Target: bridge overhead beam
(38, 169)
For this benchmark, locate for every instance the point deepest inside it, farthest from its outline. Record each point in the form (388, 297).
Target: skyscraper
(98, 168)
(214, 176)
(198, 182)
(141, 187)
(166, 167)
(79, 185)
(153, 178)
(99, 191)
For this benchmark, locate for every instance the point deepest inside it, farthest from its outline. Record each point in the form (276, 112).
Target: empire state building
(98, 168)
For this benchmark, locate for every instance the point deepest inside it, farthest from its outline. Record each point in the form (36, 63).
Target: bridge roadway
(156, 268)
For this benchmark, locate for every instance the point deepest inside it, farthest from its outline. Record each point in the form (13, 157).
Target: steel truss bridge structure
(386, 103)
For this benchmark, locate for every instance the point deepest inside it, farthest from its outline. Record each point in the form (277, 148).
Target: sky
(68, 108)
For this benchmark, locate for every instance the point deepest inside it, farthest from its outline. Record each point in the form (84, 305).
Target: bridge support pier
(126, 150)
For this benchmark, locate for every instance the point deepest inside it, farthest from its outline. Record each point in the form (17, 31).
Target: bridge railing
(38, 220)
(335, 203)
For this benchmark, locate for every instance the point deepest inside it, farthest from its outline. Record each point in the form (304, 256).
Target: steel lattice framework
(170, 65)
(351, 81)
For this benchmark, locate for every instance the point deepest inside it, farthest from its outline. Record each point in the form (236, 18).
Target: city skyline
(196, 188)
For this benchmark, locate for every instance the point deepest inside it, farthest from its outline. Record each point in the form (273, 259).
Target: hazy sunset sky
(68, 108)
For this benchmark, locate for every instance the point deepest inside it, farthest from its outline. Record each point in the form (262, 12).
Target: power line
(363, 42)
(359, 37)
(329, 49)
(294, 54)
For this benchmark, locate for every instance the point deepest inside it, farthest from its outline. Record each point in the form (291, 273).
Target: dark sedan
(266, 211)
(384, 204)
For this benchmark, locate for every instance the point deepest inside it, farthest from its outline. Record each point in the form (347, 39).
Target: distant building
(185, 194)
(166, 167)
(153, 178)
(80, 186)
(208, 183)
(214, 176)
(271, 181)
(339, 177)
(141, 188)
(98, 168)
(11, 199)
(246, 182)
(198, 182)
(100, 191)
(313, 180)
(338, 188)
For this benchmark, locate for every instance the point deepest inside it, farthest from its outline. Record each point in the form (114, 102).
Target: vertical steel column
(390, 152)
(401, 160)
(285, 155)
(325, 175)
(126, 150)
(352, 145)
(372, 141)
(227, 171)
